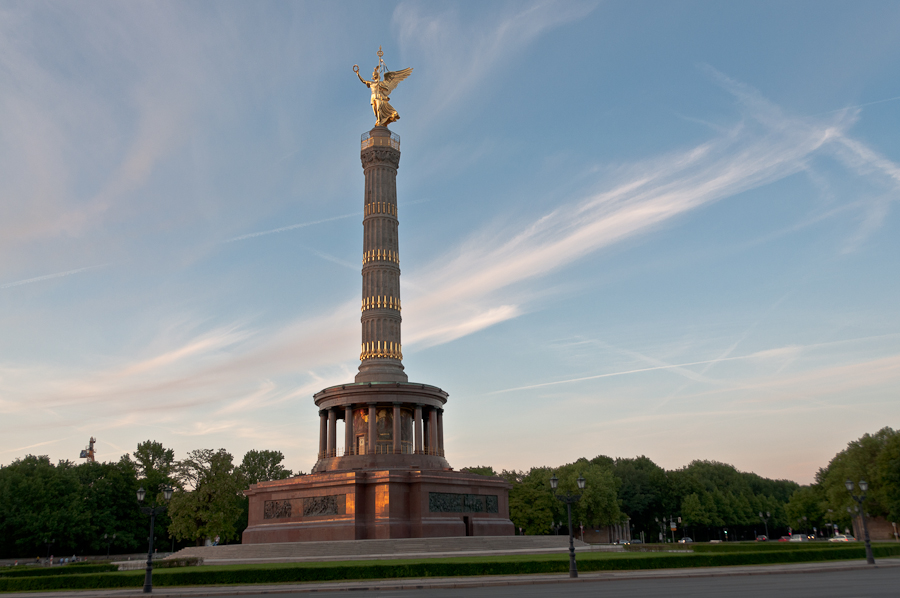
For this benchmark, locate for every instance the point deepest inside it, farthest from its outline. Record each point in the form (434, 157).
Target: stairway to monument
(382, 549)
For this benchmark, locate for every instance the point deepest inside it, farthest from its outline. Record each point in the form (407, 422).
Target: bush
(32, 571)
(769, 546)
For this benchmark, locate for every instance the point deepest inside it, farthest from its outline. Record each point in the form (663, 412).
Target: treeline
(705, 499)
(67, 509)
(874, 458)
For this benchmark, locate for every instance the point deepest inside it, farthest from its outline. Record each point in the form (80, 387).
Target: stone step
(405, 547)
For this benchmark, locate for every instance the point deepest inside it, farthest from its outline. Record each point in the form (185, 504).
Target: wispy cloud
(31, 446)
(291, 227)
(470, 282)
(49, 276)
(462, 55)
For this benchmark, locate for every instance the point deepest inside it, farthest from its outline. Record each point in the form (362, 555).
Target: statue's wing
(392, 78)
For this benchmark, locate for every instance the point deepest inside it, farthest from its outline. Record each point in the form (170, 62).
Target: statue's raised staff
(382, 84)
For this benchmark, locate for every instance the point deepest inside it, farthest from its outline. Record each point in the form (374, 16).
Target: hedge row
(771, 546)
(430, 568)
(32, 571)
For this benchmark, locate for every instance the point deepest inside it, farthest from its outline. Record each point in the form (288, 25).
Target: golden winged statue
(381, 87)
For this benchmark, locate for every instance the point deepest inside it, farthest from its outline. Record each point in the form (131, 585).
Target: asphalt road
(867, 583)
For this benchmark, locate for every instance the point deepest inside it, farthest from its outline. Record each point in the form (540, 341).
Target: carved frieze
(445, 502)
(323, 506)
(276, 509)
(380, 157)
(314, 506)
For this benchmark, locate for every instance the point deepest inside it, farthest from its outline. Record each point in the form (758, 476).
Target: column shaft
(396, 428)
(373, 431)
(323, 433)
(332, 432)
(418, 450)
(432, 432)
(440, 431)
(349, 447)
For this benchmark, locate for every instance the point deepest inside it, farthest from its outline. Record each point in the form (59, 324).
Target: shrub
(56, 570)
(185, 561)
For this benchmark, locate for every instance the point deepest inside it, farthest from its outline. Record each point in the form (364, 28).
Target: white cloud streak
(292, 227)
(49, 276)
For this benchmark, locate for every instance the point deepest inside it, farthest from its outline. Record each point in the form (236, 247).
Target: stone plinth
(377, 504)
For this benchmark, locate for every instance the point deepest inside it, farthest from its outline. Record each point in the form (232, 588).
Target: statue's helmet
(375, 73)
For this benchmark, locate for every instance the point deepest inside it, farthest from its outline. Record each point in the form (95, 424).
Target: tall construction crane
(88, 453)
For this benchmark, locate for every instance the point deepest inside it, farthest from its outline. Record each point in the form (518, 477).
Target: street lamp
(569, 499)
(109, 541)
(153, 510)
(765, 521)
(870, 558)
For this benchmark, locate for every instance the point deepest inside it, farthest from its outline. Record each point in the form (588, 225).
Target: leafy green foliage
(263, 466)
(209, 502)
(73, 505)
(643, 492)
(805, 509)
(485, 470)
(874, 458)
(888, 476)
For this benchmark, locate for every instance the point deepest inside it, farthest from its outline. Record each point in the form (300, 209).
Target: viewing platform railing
(368, 141)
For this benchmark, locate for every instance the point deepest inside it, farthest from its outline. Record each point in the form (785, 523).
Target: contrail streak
(47, 277)
(292, 227)
(659, 367)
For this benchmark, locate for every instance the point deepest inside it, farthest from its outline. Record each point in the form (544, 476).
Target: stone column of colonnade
(433, 444)
(381, 354)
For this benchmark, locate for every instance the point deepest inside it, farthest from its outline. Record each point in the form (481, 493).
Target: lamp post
(153, 510)
(569, 499)
(862, 513)
(765, 521)
(49, 542)
(109, 541)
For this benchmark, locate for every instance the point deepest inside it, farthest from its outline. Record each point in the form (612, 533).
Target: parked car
(762, 538)
(685, 540)
(842, 538)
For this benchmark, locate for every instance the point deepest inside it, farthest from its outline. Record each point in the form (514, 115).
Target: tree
(110, 506)
(531, 501)
(643, 492)
(860, 461)
(208, 503)
(39, 502)
(485, 470)
(263, 466)
(806, 508)
(599, 505)
(155, 467)
(888, 476)
(74, 505)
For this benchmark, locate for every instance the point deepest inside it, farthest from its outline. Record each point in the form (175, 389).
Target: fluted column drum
(381, 351)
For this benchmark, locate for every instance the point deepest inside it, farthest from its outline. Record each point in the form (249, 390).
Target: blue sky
(627, 228)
